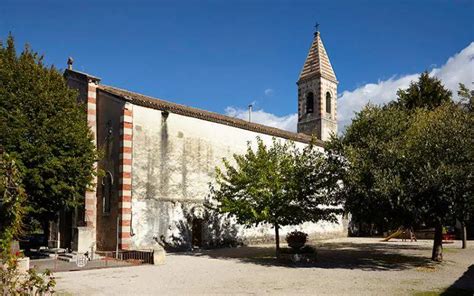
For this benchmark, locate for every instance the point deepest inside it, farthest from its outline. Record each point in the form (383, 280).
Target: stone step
(69, 257)
(53, 251)
(66, 259)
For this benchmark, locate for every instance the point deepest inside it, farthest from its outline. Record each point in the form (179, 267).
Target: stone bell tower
(317, 93)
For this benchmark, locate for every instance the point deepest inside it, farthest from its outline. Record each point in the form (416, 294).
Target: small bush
(12, 282)
(296, 239)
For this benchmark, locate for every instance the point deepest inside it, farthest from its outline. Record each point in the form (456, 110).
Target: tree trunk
(437, 254)
(464, 234)
(46, 231)
(277, 238)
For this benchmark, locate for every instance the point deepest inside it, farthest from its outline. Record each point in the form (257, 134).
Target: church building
(158, 158)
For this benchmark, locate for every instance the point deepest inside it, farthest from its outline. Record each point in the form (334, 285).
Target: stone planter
(23, 264)
(298, 258)
(304, 255)
(159, 255)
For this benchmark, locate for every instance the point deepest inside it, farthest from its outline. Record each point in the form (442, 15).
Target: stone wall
(108, 143)
(174, 159)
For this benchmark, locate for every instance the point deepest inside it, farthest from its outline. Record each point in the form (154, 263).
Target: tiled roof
(70, 72)
(150, 102)
(317, 62)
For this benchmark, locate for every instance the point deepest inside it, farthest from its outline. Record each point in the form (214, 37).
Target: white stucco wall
(173, 162)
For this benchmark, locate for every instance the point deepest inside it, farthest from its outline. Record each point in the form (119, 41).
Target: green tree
(367, 147)
(279, 185)
(466, 98)
(438, 154)
(467, 104)
(413, 164)
(428, 92)
(45, 129)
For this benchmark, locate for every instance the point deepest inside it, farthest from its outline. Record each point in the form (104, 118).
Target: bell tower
(317, 93)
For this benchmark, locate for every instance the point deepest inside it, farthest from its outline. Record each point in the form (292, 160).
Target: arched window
(107, 182)
(309, 102)
(328, 102)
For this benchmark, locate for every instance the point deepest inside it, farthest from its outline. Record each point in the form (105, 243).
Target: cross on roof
(316, 27)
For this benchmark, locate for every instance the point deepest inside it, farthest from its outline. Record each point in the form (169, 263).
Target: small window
(328, 102)
(107, 182)
(310, 103)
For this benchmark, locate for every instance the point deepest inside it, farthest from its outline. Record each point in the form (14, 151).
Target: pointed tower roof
(317, 62)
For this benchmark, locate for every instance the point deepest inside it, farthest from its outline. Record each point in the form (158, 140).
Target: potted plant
(296, 239)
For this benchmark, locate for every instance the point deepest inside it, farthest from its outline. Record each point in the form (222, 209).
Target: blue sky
(219, 54)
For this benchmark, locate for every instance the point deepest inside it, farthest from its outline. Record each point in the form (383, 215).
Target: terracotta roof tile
(317, 62)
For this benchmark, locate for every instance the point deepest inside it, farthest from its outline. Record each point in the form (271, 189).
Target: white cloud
(381, 92)
(287, 122)
(458, 69)
(269, 92)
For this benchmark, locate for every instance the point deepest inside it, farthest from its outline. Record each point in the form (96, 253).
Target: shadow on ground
(364, 256)
(463, 285)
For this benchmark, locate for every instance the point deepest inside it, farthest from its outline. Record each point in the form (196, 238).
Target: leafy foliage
(409, 162)
(32, 283)
(440, 158)
(296, 239)
(12, 211)
(45, 129)
(367, 160)
(467, 98)
(279, 185)
(12, 203)
(428, 92)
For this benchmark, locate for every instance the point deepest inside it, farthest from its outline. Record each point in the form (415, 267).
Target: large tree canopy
(368, 147)
(45, 129)
(410, 162)
(279, 185)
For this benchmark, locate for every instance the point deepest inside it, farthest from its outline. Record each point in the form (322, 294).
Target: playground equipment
(403, 233)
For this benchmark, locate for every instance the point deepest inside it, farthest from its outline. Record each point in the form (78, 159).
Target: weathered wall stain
(184, 170)
(174, 159)
(163, 152)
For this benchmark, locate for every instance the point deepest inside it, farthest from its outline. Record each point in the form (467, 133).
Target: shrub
(12, 210)
(296, 239)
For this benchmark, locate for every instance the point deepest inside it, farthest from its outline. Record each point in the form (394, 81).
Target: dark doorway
(197, 233)
(65, 229)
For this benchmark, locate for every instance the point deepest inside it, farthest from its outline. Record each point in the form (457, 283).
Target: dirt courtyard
(346, 266)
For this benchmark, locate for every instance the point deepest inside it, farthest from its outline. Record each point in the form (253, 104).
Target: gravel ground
(347, 266)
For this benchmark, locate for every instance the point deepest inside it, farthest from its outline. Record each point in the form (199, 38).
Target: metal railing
(132, 256)
(105, 259)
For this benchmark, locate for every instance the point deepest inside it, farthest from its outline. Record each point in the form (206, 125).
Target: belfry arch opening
(328, 103)
(310, 102)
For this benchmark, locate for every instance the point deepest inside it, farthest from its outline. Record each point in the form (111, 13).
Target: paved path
(349, 266)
